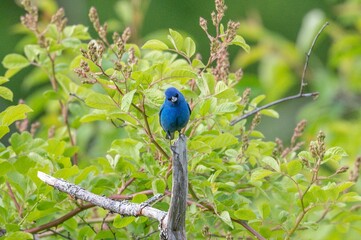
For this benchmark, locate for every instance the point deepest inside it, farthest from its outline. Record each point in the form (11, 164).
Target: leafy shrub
(98, 128)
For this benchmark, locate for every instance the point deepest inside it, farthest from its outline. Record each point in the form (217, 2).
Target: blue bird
(174, 113)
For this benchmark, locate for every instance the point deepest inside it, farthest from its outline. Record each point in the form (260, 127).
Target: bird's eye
(169, 99)
(176, 95)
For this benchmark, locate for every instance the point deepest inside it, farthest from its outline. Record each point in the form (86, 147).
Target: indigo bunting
(174, 113)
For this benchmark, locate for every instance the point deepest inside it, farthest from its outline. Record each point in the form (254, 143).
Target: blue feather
(174, 113)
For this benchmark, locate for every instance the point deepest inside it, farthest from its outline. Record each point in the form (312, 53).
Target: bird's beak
(173, 99)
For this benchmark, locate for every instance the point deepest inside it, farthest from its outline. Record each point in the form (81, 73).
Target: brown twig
(12, 196)
(127, 183)
(60, 220)
(142, 111)
(301, 93)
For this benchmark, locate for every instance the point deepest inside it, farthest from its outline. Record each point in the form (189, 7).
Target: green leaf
(203, 85)
(189, 47)
(257, 134)
(5, 167)
(71, 42)
(334, 154)
(184, 74)
(32, 51)
(176, 39)
(226, 218)
(259, 174)
(265, 210)
(223, 140)
(100, 101)
(207, 106)
(270, 161)
(158, 186)
(226, 108)
(245, 214)
(200, 147)
(77, 31)
(270, 113)
(127, 148)
(127, 100)
(18, 235)
(6, 93)
(4, 130)
(14, 113)
(15, 61)
(11, 72)
(120, 221)
(139, 198)
(294, 167)
(257, 100)
(345, 185)
(350, 197)
(155, 45)
(239, 41)
(196, 63)
(3, 80)
(305, 155)
(214, 176)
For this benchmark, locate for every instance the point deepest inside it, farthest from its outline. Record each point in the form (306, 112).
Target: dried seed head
(94, 18)
(126, 34)
(34, 127)
(239, 74)
(220, 8)
(203, 24)
(221, 70)
(231, 31)
(298, 131)
(245, 96)
(214, 19)
(342, 169)
(59, 19)
(132, 59)
(30, 20)
(354, 174)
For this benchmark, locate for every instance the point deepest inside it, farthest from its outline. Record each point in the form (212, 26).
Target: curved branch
(258, 109)
(301, 93)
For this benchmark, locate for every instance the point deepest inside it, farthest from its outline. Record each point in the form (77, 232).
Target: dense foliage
(96, 104)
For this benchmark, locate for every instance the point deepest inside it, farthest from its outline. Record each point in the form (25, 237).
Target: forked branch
(301, 93)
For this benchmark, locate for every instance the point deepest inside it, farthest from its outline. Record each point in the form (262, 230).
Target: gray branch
(121, 207)
(172, 224)
(178, 204)
(303, 83)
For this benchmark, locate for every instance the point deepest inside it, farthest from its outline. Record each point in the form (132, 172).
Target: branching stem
(301, 93)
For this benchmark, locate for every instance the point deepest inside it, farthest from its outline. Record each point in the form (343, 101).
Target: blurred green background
(279, 33)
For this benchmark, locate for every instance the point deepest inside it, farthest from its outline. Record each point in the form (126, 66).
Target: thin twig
(308, 55)
(142, 111)
(258, 109)
(60, 220)
(301, 93)
(12, 196)
(63, 107)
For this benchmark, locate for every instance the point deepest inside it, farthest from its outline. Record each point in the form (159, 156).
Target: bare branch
(303, 83)
(178, 204)
(121, 207)
(301, 93)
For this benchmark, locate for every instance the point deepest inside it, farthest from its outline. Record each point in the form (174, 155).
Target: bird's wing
(160, 113)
